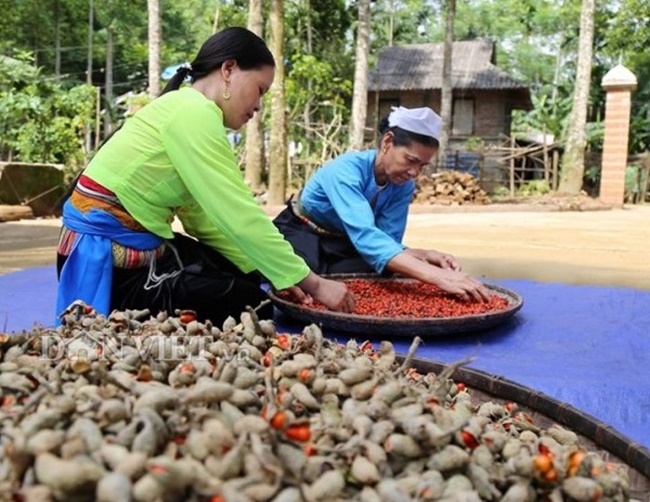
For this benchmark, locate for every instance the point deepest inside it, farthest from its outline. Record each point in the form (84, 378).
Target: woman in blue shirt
(351, 215)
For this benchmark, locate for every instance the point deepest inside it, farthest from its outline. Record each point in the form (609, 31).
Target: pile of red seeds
(413, 299)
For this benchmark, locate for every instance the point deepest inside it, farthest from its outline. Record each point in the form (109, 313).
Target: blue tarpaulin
(588, 346)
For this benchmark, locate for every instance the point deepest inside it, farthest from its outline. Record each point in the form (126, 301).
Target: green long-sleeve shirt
(173, 158)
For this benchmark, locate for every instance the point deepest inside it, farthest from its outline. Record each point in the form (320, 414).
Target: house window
(463, 119)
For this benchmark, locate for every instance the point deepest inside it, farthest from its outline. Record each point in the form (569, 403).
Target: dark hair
(242, 45)
(402, 137)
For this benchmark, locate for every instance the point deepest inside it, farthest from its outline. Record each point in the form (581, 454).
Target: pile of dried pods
(142, 408)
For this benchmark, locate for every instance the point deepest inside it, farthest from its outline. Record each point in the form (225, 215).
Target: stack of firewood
(449, 188)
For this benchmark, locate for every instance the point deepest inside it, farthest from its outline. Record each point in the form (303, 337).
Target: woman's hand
(460, 284)
(413, 263)
(436, 258)
(333, 294)
(297, 295)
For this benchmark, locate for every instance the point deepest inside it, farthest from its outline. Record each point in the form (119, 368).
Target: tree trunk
(89, 68)
(155, 39)
(573, 160)
(108, 90)
(360, 93)
(447, 91)
(57, 42)
(278, 147)
(254, 150)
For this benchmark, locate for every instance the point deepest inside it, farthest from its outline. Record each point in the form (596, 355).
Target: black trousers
(200, 279)
(323, 253)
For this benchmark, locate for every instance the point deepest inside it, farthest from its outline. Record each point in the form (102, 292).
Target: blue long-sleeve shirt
(343, 196)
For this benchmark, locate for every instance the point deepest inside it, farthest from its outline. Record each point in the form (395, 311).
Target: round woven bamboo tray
(400, 327)
(594, 435)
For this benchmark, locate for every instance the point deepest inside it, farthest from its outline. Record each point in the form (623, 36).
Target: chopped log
(449, 188)
(15, 213)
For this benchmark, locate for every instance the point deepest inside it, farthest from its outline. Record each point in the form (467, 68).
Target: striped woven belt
(299, 213)
(88, 195)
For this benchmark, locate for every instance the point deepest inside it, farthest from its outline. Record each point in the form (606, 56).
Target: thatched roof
(419, 66)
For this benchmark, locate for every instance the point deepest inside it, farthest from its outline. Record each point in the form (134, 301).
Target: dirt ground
(543, 243)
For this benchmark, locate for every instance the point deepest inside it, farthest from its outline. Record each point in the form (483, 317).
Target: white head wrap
(418, 120)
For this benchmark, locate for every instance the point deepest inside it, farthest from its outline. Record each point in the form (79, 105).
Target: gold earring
(226, 94)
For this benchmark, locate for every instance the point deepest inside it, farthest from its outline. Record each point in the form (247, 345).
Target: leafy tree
(42, 120)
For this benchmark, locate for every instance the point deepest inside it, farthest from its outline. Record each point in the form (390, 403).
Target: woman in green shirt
(172, 159)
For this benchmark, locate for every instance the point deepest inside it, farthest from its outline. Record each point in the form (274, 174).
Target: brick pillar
(619, 83)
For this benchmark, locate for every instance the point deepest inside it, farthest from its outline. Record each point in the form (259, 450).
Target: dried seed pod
(45, 440)
(451, 457)
(208, 391)
(388, 392)
(301, 393)
(133, 465)
(365, 471)
(521, 491)
(390, 491)
(36, 493)
(66, 477)
(355, 375)
(459, 487)
(243, 398)
(289, 494)
(369, 494)
(113, 487)
(43, 419)
(482, 483)
(363, 390)
(112, 411)
(157, 399)
(251, 424)
(246, 378)
(431, 485)
(402, 445)
(112, 454)
(147, 489)
(328, 486)
(562, 435)
(582, 489)
(381, 430)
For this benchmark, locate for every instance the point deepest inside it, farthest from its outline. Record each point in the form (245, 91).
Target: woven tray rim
(427, 326)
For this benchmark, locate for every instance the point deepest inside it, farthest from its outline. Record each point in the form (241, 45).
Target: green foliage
(534, 188)
(537, 42)
(43, 121)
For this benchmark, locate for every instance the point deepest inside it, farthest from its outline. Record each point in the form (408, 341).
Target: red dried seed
(279, 420)
(157, 468)
(366, 346)
(304, 375)
(543, 450)
(187, 368)
(283, 341)
(298, 432)
(469, 439)
(510, 406)
(187, 316)
(267, 358)
(8, 401)
(461, 386)
(412, 300)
